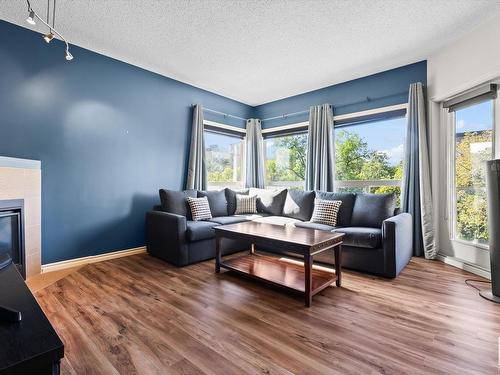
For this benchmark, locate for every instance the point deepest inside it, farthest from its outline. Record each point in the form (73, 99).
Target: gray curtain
(416, 189)
(254, 172)
(197, 169)
(320, 163)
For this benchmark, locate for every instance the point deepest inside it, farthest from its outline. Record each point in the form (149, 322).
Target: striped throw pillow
(200, 209)
(325, 211)
(246, 204)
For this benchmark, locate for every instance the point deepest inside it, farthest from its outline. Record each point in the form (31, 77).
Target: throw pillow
(200, 209)
(231, 199)
(325, 212)
(216, 200)
(270, 201)
(246, 204)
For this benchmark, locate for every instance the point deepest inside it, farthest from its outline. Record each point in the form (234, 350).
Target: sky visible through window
(384, 136)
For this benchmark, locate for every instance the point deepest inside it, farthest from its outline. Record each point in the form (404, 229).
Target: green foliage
(292, 163)
(470, 180)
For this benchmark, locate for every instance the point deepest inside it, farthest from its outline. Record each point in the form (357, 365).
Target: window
(224, 158)
(369, 156)
(285, 157)
(472, 146)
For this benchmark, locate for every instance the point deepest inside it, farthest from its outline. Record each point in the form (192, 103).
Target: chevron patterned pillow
(200, 209)
(325, 212)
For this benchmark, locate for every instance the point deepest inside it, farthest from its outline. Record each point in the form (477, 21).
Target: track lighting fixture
(52, 31)
(31, 17)
(68, 56)
(48, 37)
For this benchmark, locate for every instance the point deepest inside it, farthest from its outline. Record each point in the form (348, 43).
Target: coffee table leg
(308, 261)
(217, 254)
(338, 264)
(252, 249)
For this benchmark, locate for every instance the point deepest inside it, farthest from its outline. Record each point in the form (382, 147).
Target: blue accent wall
(378, 90)
(109, 135)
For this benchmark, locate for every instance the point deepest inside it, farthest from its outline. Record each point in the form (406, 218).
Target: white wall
(472, 60)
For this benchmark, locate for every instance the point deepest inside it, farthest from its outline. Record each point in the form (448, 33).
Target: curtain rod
(368, 99)
(221, 113)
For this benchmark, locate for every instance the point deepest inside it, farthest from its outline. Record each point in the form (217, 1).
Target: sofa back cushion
(299, 204)
(217, 201)
(175, 201)
(270, 201)
(345, 211)
(231, 199)
(370, 210)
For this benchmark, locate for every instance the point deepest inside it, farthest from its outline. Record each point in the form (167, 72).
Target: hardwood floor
(140, 315)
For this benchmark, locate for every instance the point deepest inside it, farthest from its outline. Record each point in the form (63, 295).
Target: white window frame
(451, 159)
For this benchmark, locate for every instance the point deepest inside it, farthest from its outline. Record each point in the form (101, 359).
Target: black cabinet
(30, 346)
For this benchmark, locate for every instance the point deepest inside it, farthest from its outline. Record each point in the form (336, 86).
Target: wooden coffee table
(305, 279)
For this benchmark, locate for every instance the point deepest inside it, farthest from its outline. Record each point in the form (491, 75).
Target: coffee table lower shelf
(279, 271)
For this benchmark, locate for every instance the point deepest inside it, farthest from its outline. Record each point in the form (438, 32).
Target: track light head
(31, 18)
(68, 55)
(48, 37)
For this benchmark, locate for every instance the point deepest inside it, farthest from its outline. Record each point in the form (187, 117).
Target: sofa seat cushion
(310, 225)
(200, 230)
(277, 220)
(225, 220)
(251, 216)
(370, 238)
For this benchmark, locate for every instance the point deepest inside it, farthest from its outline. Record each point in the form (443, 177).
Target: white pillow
(325, 211)
(200, 209)
(246, 204)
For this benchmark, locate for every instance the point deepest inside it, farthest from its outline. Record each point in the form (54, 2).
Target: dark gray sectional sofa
(378, 239)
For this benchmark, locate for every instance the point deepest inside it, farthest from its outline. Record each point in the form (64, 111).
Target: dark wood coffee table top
(302, 238)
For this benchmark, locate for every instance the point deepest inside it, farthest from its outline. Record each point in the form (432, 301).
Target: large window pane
(286, 161)
(369, 157)
(473, 146)
(224, 158)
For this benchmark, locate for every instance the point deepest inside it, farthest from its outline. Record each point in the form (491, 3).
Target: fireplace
(12, 232)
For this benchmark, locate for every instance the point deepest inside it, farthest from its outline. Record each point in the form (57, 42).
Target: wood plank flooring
(140, 315)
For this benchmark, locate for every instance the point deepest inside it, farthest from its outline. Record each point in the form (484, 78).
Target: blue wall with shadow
(378, 90)
(109, 135)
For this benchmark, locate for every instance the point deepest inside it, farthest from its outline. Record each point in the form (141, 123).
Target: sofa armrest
(166, 237)
(397, 238)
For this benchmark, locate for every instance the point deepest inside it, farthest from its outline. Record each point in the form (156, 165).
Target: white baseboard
(57, 266)
(463, 265)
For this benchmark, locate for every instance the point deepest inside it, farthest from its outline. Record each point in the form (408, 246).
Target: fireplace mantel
(22, 179)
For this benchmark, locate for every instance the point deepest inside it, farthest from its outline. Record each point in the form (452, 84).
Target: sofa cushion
(224, 220)
(299, 204)
(345, 210)
(370, 238)
(200, 208)
(231, 199)
(217, 201)
(277, 220)
(310, 225)
(270, 201)
(325, 211)
(370, 210)
(200, 230)
(246, 204)
(175, 201)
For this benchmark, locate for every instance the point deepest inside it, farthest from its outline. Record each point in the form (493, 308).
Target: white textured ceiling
(257, 51)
